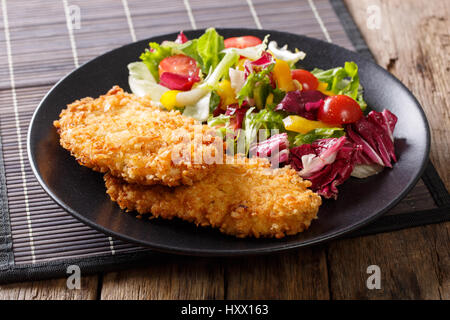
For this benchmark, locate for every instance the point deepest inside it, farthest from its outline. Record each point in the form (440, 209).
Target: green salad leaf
(220, 120)
(142, 83)
(343, 80)
(209, 47)
(206, 50)
(267, 119)
(153, 57)
(254, 79)
(214, 101)
(199, 110)
(318, 133)
(221, 124)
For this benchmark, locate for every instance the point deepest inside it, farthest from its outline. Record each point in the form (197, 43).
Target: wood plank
(414, 262)
(167, 278)
(300, 274)
(413, 44)
(50, 290)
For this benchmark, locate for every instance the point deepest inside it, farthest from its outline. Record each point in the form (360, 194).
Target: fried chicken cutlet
(127, 136)
(246, 199)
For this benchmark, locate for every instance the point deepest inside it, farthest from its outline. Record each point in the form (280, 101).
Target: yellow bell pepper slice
(226, 93)
(282, 76)
(169, 99)
(303, 125)
(240, 64)
(322, 87)
(269, 99)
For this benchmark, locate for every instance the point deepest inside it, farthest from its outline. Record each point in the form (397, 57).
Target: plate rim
(231, 252)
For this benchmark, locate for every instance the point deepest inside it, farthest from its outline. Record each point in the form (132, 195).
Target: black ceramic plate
(81, 191)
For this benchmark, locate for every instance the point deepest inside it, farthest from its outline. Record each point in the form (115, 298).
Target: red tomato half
(306, 79)
(339, 109)
(179, 64)
(242, 42)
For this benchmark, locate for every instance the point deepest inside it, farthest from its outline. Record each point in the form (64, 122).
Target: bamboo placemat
(41, 41)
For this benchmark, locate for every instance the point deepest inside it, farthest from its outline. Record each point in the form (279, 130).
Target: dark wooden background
(413, 43)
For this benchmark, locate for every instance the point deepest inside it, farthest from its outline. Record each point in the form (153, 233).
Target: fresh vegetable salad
(261, 101)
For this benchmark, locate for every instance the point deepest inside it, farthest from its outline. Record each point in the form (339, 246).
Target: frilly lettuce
(200, 110)
(193, 96)
(316, 134)
(266, 119)
(362, 171)
(284, 54)
(206, 50)
(237, 79)
(153, 57)
(343, 80)
(143, 83)
(255, 78)
(197, 100)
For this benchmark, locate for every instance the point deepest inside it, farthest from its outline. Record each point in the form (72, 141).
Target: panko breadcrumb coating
(246, 199)
(128, 137)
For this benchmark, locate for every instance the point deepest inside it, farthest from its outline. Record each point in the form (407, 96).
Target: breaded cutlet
(127, 136)
(245, 199)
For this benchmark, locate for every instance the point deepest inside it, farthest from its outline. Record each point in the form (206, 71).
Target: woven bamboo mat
(41, 41)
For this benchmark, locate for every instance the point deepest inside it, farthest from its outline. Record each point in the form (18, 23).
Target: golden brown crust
(244, 200)
(127, 136)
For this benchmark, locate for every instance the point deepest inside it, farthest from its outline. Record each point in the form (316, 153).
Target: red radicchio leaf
(272, 145)
(330, 162)
(333, 160)
(304, 103)
(276, 148)
(236, 115)
(375, 134)
(325, 151)
(176, 81)
(181, 38)
(259, 64)
(218, 111)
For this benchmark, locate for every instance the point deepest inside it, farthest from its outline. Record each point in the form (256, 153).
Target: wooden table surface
(412, 43)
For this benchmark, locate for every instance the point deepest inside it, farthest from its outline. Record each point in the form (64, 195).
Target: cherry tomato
(242, 42)
(179, 64)
(339, 109)
(306, 79)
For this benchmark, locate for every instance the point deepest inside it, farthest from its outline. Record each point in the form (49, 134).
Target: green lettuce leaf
(199, 110)
(220, 120)
(206, 50)
(153, 57)
(256, 78)
(214, 101)
(221, 124)
(318, 133)
(267, 119)
(343, 80)
(209, 47)
(142, 82)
